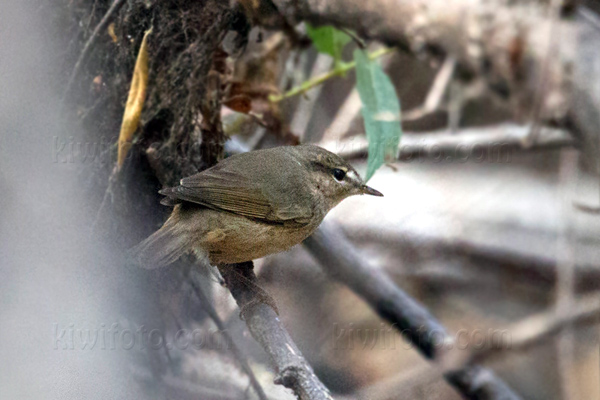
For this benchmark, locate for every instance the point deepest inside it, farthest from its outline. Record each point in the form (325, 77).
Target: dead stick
(265, 326)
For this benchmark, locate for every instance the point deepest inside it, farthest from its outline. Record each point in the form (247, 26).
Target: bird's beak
(369, 190)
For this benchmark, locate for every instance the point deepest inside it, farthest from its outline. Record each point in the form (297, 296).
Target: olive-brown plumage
(251, 205)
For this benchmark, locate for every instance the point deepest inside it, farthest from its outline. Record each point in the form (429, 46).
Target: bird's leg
(214, 271)
(241, 281)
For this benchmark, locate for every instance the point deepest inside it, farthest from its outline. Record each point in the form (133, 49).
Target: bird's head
(331, 175)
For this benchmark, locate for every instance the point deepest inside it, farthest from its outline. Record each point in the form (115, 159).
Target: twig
(263, 323)
(521, 336)
(344, 264)
(551, 48)
(405, 382)
(304, 111)
(237, 353)
(359, 42)
(535, 329)
(106, 20)
(436, 93)
(348, 112)
(108, 194)
(339, 70)
(497, 138)
(175, 387)
(587, 208)
(344, 117)
(565, 272)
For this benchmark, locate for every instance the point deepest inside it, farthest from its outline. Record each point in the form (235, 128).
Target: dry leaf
(239, 103)
(97, 84)
(111, 32)
(135, 101)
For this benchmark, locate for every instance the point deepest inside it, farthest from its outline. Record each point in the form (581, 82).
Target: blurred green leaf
(328, 40)
(381, 112)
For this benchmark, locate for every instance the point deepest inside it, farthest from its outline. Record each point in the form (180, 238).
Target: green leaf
(328, 40)
(381, 112)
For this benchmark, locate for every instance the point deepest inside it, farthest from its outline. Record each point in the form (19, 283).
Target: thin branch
(106, 20)
(551, 48)
(436, 93)
(497, 138)
(263, 323)
(521, 336)
(348, 112)
(565, 271)
(237, 353)
(108, 195)
(359, 42)
(339, 70)
(535, 329)
(405, 383)
(345, 116)
(340, 260)
(304, 111)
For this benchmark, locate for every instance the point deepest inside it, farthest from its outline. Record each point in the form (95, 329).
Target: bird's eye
(339, 174)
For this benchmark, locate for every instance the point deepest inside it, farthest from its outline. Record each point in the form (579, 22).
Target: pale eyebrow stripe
(353, 174)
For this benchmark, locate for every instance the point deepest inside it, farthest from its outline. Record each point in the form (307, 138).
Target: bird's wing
(223, 189)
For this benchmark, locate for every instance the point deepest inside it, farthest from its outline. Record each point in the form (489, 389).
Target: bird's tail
(162, 248)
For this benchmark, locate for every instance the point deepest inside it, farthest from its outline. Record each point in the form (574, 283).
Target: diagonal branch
(344, 264)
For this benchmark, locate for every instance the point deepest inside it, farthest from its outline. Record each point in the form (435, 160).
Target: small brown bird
(251, 205)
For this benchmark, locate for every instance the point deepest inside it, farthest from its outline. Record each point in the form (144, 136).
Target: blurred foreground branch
(339, 259)
(263, 323)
